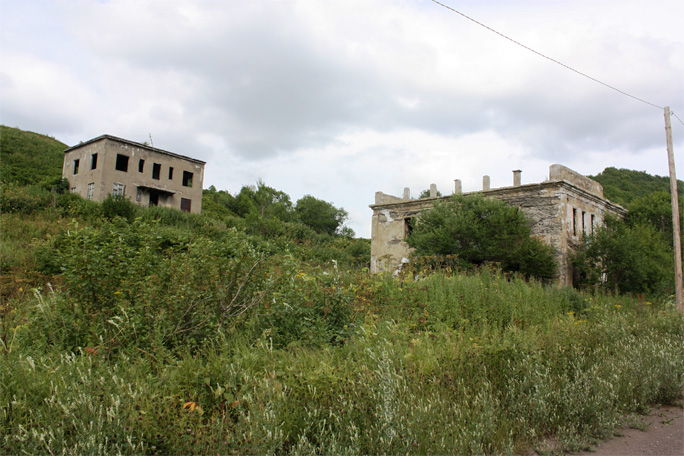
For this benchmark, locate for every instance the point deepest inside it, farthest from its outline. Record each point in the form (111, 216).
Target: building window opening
(185, 205)
(138, 195)
(91, 191)
(141, 165)
(574, 222)
(93, 161)
(408, 226)
(593, 223)
(170, 172)
(122, 163)
(76, 163)
(584, 215)
(156, 170)
(119, 189)
(187, 179)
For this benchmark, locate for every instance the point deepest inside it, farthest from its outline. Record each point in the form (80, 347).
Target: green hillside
(623, 186)
(29, 158)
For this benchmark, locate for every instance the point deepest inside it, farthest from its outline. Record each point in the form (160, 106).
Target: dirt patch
(660, 433)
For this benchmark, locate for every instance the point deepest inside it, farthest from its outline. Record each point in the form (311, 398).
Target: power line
(677, 117)
(551, 59)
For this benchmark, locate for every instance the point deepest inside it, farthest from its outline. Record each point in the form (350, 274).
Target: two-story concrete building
(146, 175)
(559, 210)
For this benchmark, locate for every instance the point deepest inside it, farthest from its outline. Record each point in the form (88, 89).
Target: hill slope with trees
(622, 186)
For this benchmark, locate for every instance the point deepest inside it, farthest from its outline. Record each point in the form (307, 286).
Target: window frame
(119, 188)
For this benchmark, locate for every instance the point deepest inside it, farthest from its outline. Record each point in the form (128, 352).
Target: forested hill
(29, 158)
(622, 186)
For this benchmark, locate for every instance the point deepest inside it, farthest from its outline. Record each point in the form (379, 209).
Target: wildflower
(649, 303)
(617, 306)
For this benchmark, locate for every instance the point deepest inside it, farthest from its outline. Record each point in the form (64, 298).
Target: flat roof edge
(136, 144)
(503, 190)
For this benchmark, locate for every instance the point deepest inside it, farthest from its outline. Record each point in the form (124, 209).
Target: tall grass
(466, 364)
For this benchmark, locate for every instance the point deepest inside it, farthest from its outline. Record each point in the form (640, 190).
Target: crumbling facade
(146, 175)
(559, 210)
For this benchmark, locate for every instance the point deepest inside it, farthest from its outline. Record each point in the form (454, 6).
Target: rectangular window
(91, 191)
(156, 170)
(185, 204)
(584, 216)
(593, 222)
(93, 161)
(73, 189)
(138, 195)
(141, 165)
(574, 221)
(170, 172)
(122, 163)
(187, 179)
(408, 226)
(119, 189)
(76, 163)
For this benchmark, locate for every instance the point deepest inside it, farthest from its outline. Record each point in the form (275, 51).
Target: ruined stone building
(559, 210)
(146, 175)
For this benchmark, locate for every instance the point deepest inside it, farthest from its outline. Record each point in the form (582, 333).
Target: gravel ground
(663, 436)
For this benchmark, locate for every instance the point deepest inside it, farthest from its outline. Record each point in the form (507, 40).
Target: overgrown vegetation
(251, 329)
(631, 255)
(473, 230)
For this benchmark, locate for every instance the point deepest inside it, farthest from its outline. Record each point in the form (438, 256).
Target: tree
(263, 201)
(322, 216)
(628, 258)
(481, 230)
(654, 209)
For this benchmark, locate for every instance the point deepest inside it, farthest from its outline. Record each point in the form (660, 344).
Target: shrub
(118, 206)
(629, 259)
(480, 230)
(24, 199)
(137, 285)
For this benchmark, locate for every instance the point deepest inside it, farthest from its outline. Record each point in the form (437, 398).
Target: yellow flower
(649, 303)
(617, 306)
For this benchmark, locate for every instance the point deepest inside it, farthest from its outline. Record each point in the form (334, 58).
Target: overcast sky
(340, 99)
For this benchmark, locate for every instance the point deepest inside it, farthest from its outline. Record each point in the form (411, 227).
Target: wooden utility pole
(679, 294)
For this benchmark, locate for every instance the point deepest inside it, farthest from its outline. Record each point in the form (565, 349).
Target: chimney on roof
(485, 183)
(407, 193)
(433, 190)
(458, 189)
(516, 178)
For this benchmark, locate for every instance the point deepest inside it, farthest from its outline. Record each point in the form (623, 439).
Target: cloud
(342, 99)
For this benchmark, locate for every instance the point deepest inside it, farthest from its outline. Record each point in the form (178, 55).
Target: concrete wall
(559, 212)
(140, 187)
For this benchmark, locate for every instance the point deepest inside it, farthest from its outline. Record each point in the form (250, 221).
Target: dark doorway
(154, 199)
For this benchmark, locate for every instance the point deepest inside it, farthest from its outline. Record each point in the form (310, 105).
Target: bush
(24, 199)
(118, 206)
(139, 285)
(479, 231)
(313, 310)
(629, 259)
